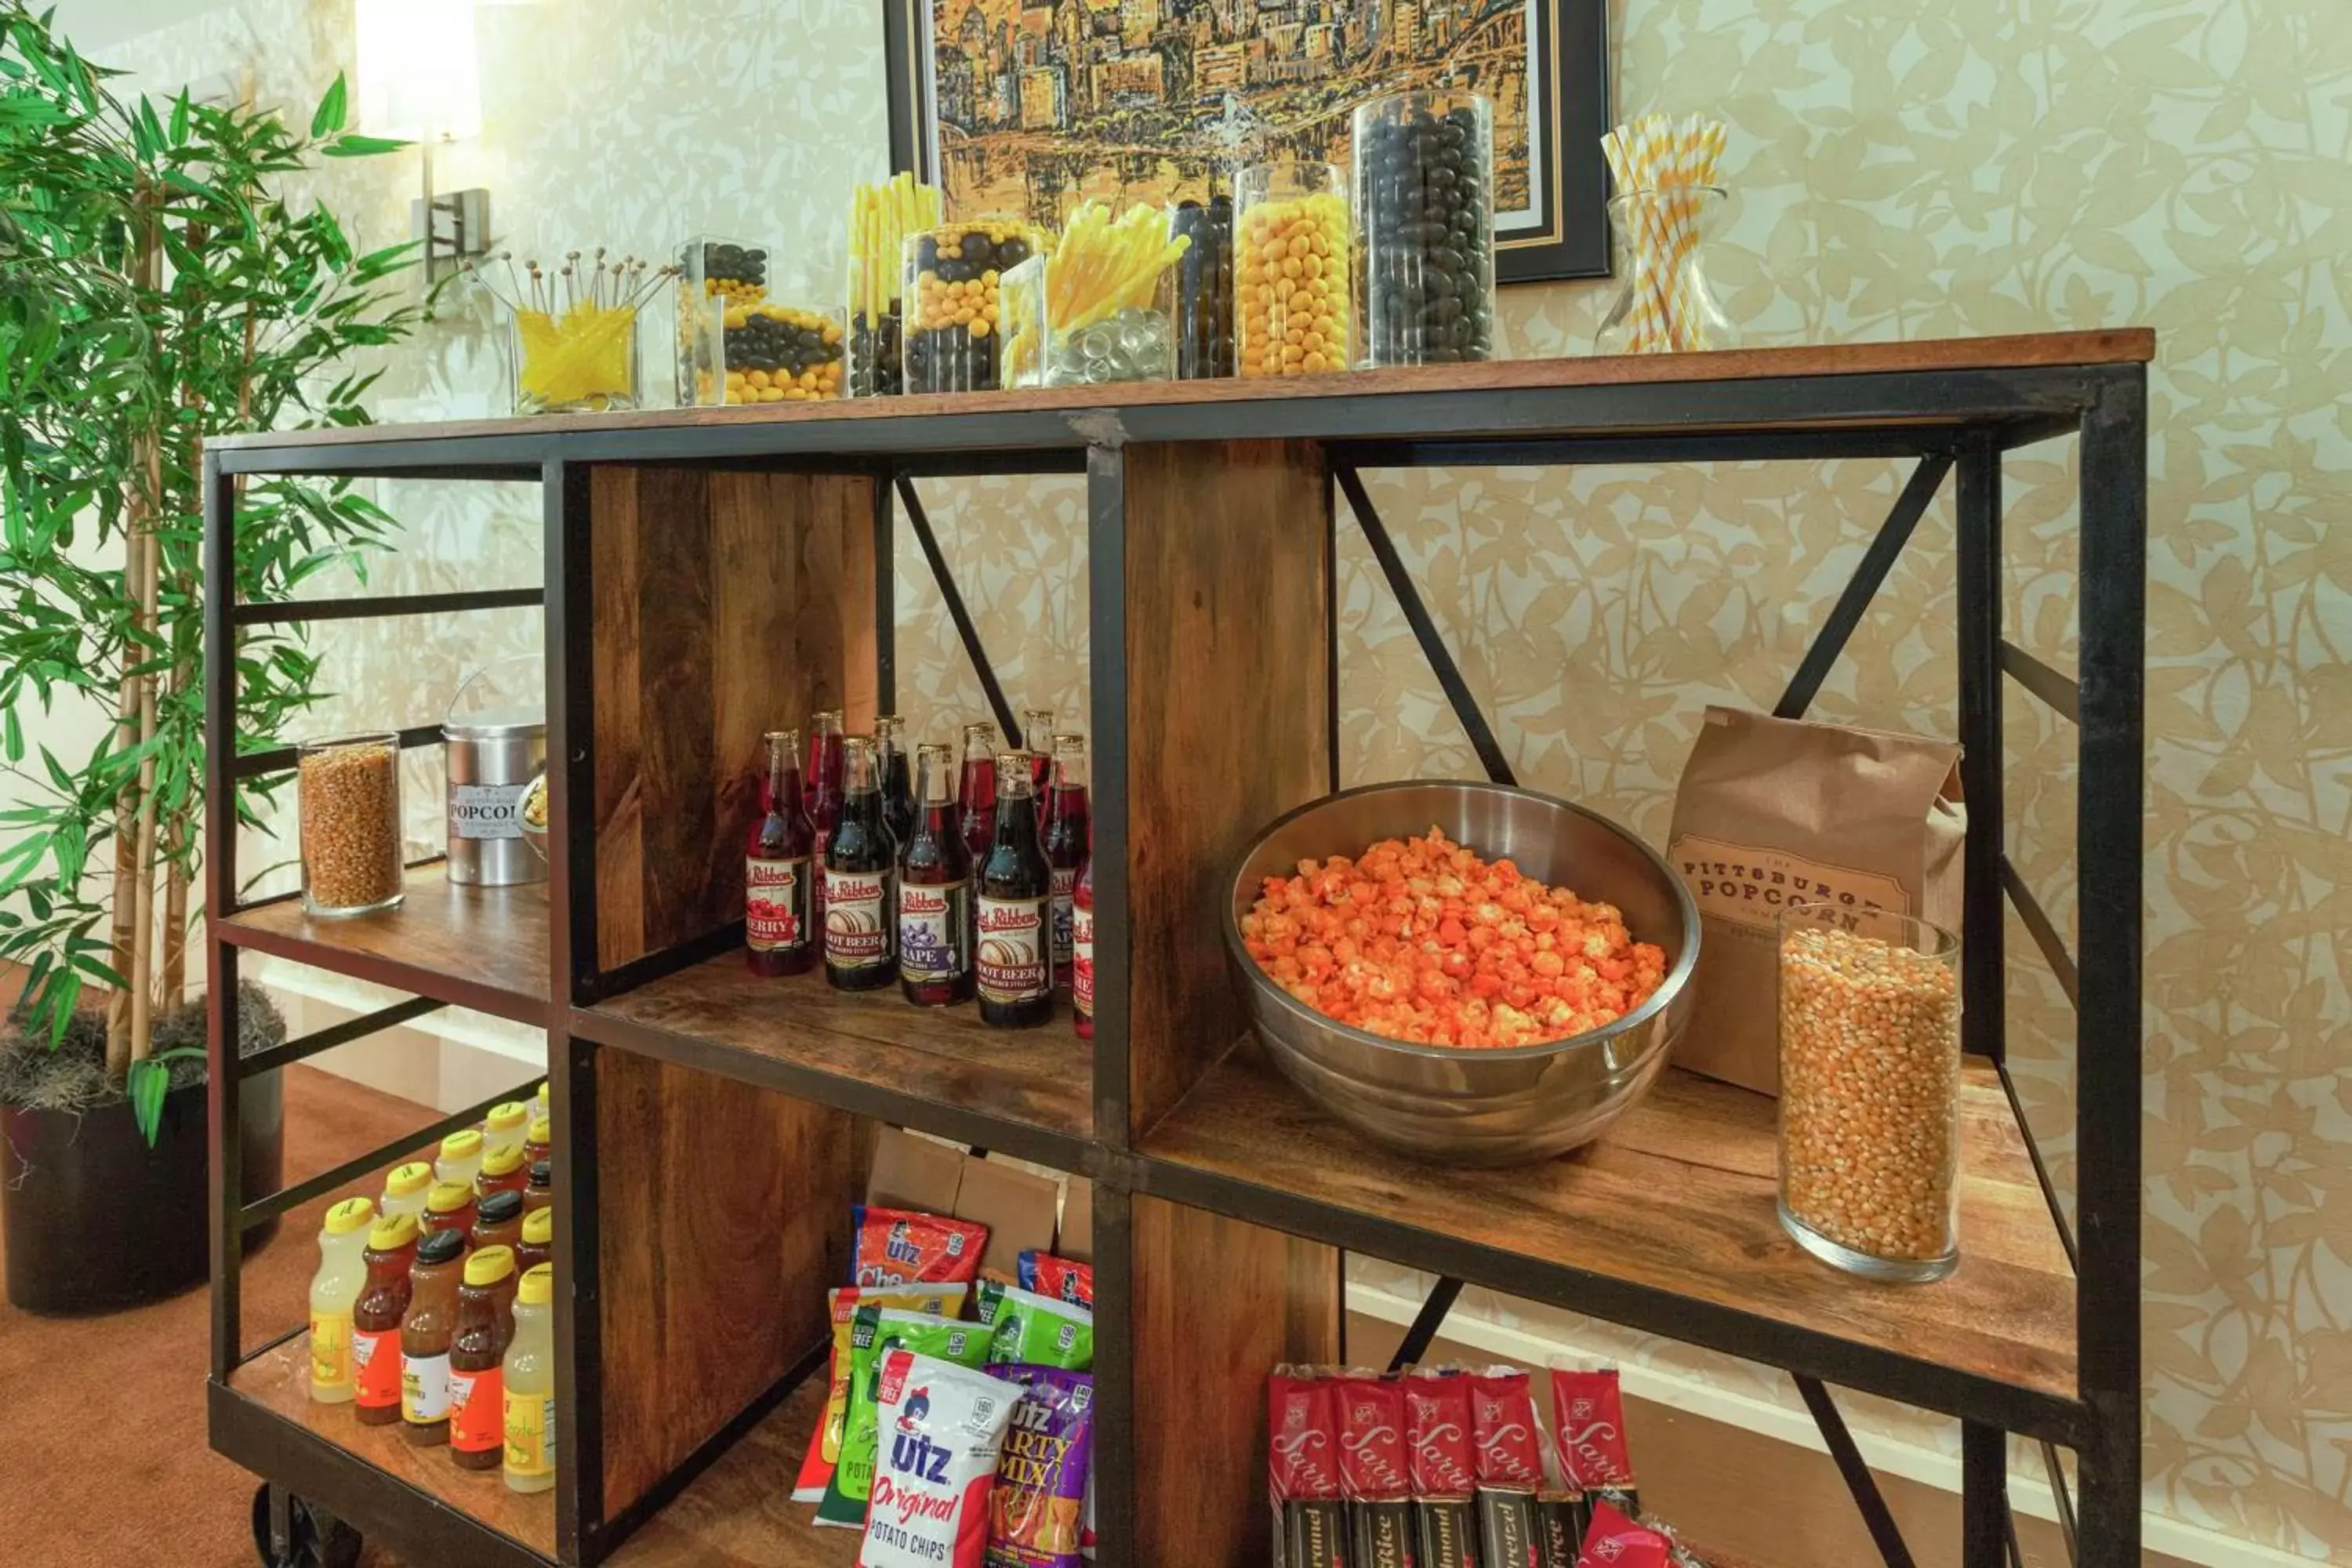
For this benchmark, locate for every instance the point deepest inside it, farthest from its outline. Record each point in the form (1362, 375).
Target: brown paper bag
(1778, 811)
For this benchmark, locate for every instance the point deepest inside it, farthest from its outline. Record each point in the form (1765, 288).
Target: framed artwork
(1026, 107)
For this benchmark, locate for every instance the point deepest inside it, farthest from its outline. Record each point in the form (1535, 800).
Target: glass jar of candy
(751, 341)
(1425, 205)
(1205, 288)
(714, 276)
(952, 303)
(1294, 311)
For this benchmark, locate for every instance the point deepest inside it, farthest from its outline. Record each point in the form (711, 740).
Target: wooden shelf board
(1028, 1092)
(1678, 1199)
(740, 1513)
(278, 1380)
(484, 948)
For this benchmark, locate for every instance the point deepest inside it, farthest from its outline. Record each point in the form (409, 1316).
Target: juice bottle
(541, 1192)
(825, 774)
(460, 1159)
(780, 925)
(383, 1302)
(336, 1285)
(1067, 830)
(497, 1220)
(528, 1373)
(539, 1100)
(449, 1207)
(537, 1243)
(503, 1171)
(539, 1143)
(860, 865)
(1082, 947)
(404, 1190)
(505, 1127)
(935, 894)
(1037, 739)
(477, 1405)
(426, 1334)
(976, 792)
(898, 781)
(1014, 957)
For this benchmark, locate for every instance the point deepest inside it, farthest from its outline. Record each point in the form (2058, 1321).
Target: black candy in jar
(776, 353)
(1424, 166)
(876, 366)
(1204, 290)
(952, 337)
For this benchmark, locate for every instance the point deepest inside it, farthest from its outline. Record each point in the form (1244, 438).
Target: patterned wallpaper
(1899, 170)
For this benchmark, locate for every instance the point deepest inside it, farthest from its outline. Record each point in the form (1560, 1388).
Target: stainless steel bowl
(1506, 1106)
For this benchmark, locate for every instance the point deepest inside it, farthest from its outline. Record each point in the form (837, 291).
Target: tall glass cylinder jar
(1870, 1081)
(1425, 206)
(1294, 311)
(1663, 303)
(348, 793)
(1205, 288)
(951, 301)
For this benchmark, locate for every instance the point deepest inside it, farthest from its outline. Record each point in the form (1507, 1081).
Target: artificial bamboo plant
(157, 286)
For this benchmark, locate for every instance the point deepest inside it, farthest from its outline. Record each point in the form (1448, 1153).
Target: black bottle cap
(501, 1206)
(543, 1175)
(442, 1247)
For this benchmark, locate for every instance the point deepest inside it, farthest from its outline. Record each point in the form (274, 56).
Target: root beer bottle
(976, 795)
(1067, 832)
(898, 782)
(1014, 956)
(860, 865)
(935, 893)
(824, 799)
(780, 926)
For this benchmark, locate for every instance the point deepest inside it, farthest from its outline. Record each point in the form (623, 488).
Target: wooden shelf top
(1678, 1199)
(740, 1513)
(1028, 1092)
(484, 948)
(278, 1380)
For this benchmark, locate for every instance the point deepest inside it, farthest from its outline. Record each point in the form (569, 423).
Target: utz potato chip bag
(1035, 1330)
(900, 1247)
(874, 1332)
(825, 1443)
(1035, 1514)
(1060, 1278)
(944, 1427)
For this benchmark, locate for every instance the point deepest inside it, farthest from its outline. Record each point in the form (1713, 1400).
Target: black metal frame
(1947, 421)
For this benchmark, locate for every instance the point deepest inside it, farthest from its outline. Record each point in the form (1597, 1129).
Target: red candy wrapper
(1615, 1541)
(1303, 1470)
(1373, 1473)
(1509, 1457)
(900, 1246)
(1588, 1427)
(1444, 1472)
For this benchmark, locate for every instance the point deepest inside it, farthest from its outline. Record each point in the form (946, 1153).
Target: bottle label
(1082, 965)
(425, 1388)
(1065, 878)
(530, 1434)
(477, 1410)
(1012, 955)
(857, 914)
(931, 931)
(776, 896)
(486, 811)
(376, 1367)
(331, 1349)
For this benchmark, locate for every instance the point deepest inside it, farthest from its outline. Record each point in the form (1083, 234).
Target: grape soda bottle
(977, 792)
(1067, 830)
(1082, 947)
(898, 781)
(780, 929)
(860, 863)
(823, 792)
(1014, 958)
(935, 893)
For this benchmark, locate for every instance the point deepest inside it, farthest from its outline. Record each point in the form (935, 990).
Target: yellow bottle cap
(539, 1094)
(507, 1115)
(538, 1287)
(488, 1265)
(465, 1144)
(393, 1232)
(449, 1197)
(351, 1214)
(503, 1160)
(543, 1130)
(539, 1227)
(408, 1181)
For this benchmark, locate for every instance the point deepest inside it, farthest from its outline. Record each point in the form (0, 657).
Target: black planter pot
(95, 1221)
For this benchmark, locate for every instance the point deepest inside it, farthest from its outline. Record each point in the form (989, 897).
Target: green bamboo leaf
(12, 736)
(149, 1081)
(329, 117)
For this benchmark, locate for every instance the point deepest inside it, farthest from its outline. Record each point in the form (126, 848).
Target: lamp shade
(419, 71)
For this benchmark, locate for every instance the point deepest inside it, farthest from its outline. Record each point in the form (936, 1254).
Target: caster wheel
(298, 1533)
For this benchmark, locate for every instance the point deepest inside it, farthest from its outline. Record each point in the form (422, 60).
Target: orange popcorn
(1420, 940)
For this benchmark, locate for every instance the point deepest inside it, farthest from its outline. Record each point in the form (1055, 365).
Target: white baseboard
(447, 1060)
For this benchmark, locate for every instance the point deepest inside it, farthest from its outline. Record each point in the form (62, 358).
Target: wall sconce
(420, 80)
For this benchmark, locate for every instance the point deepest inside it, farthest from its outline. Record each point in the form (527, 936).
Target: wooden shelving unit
(712, 573)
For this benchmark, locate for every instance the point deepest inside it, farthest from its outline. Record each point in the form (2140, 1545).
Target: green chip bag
(1026, 1329)
(872, 1332)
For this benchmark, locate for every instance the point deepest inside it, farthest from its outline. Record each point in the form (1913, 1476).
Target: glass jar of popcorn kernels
(1294, 312)
(1870, 1089)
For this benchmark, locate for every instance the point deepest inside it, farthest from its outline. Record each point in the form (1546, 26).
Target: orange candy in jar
(1293, 309)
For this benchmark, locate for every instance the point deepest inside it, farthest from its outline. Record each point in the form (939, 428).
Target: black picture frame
(1570, 236)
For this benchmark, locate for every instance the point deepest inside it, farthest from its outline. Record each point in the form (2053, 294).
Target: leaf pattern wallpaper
(1899, 170)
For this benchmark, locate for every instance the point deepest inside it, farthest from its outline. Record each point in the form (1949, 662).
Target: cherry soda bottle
(898, 781)
(935, 893)
(1067, 833)
(1082, 946)
(824, 791)
(780, 923)
(977, 794)
(1038, 736)
(1014, 958)
(860, 865)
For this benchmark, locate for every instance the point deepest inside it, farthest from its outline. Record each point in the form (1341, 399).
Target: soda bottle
(898, 782)
(1067, 830)
(976, 795)
(823, 797)
(1014, 955)
(1037, 739)
(779, 888)
(860, 863)
(1082, 946)
(935, 894)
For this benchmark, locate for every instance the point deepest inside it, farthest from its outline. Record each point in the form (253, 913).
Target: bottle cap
(499, 1207)
(441, 1247)
(464, 1144)
(503, 1160)
(538, 1287)
(488, 1265)
(539, 1094)
(393, 1232)
(408, 1181)
(543, 1175)
(542, 1130)
(449, 1197)
(539, 1227)
(351, 1214)
(508, 1115)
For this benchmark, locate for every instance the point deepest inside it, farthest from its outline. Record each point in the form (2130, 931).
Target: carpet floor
(102, 1449)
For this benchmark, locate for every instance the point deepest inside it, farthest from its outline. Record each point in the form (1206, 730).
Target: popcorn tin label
(486, 811)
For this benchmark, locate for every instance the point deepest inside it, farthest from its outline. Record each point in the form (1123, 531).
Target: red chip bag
(1615, 1541)
(900, 1246)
